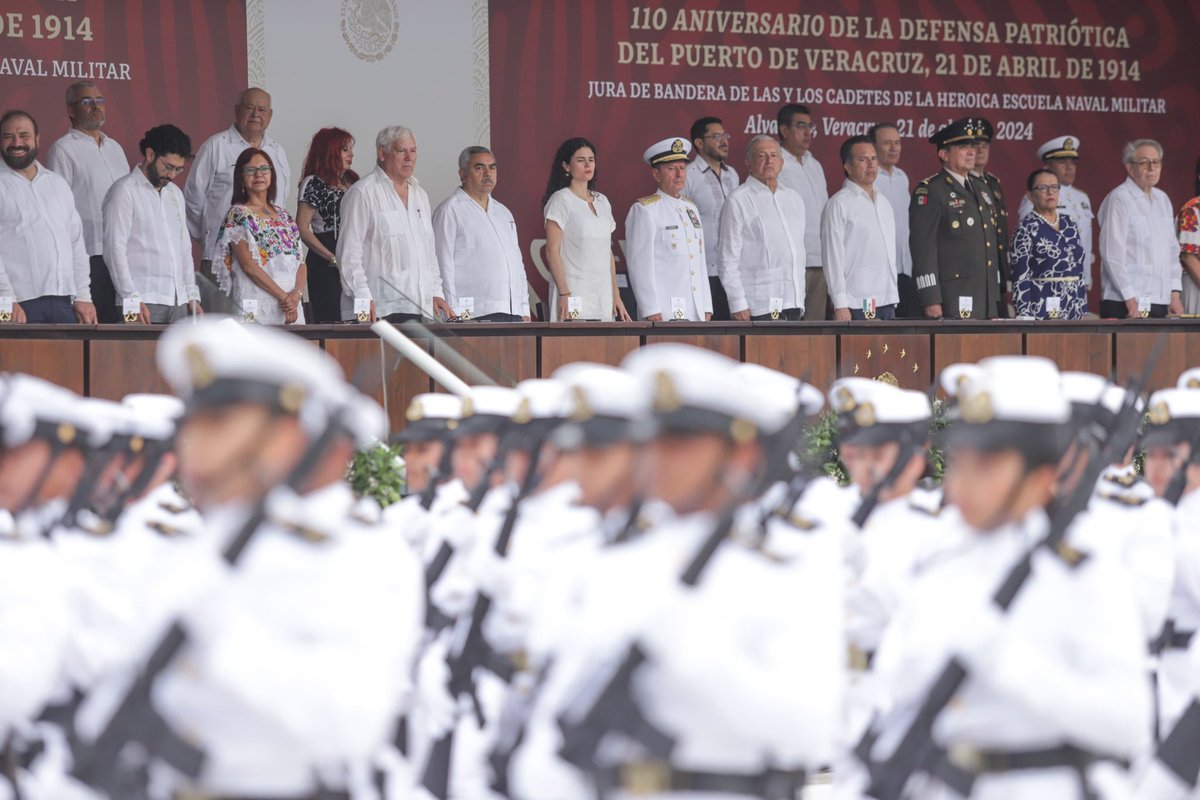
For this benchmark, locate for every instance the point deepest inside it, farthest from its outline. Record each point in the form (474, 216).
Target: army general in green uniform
(957, 264)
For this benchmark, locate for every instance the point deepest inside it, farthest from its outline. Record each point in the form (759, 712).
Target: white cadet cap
(696, 391)
(1172, 415)
(1062, 147)
(804, 397)
(430, 416)
(1190, 379)
(1089, 389)
(677, 148)
(487, 409)
(1017, 403)
(874, 412)
(955, 375)
(364, 419)
(31, 408)
(103, 420)
(154, 416)
(544, 399)
(216, 361)
(607, 406)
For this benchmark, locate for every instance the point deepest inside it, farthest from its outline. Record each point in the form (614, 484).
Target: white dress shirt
(586, 252)
(386, 251)
(41, 238)
(709, 191)
(1076, 205)
(1139, 252)
(480, 256)
(858, 236)
(209, 189)
(664, 250)
(146, 244)
(762, 249)
(896, 189)
(90, 169)
(808, 178)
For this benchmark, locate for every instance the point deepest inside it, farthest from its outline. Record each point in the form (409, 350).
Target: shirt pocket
(390, 224)
(673, 240)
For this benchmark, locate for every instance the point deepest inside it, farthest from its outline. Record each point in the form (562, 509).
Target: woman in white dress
(579, 228)
(262, 247)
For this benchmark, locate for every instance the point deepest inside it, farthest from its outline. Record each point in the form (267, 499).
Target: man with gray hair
(209, 188)
(386, 251)
(483, 273)
(90, 162)
(1139, 254)
(761, 257)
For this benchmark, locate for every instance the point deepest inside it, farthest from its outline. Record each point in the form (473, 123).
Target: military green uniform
(1002, 233)
(955, 249)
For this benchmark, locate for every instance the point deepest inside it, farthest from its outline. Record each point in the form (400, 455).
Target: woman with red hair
(262, 271)
(327, 176)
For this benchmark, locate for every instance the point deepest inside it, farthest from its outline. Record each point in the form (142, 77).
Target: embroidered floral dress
(275, 247)
(1048, 263)
(1188, 226)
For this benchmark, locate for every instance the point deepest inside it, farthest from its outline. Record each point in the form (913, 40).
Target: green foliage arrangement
(378, 473)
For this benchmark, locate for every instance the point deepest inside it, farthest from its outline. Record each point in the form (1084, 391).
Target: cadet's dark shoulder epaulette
(303, 532)
(1069, 555)
(925, 502)
(802, 522)
(174, 508)
(164, 529)
(651, 200)
(1126, 479)
(1125, 498)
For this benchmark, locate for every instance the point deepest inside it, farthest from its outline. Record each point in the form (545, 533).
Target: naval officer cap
(871, 412)
(1190, 379)
(430, 416)
(677, 148)
(608, 406)
(1172, 416)
(790, 395)
(1060, 147)
(1013, 403)
(487, 409)
(968, 130)
(1093, 398)
(154, 415)
(31, 408)
(696, 391)
(217, 362)
(544, 405)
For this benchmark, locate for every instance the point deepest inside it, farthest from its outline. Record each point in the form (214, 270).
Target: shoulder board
(991, 177)
(651, 200)
(802, 523)
(1128, 480)
(165, 529)
(925, 505)
(95, 527)
(687, 199)
(1123, 498)
(922, 188)
(303, 532)
(1069, 555)
(174, 508)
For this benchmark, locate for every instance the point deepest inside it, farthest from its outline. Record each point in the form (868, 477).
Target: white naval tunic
(665, 250)
(91, 168)
(1139, 250)
(146, 244)
(762, 255)
(386, 251)
(858, 240)
(480, 257)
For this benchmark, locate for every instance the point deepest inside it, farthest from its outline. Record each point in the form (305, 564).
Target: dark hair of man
(848, 146)
(784, 118)
(874, 130)
(700, 127)
(166, 140)
(1033, 177)
(559, 177)
(16, 112)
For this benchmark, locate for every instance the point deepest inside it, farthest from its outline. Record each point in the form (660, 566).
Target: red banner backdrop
(626, 74)
(155, 61)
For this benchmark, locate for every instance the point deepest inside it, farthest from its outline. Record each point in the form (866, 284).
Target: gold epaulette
(1070, 556)
(304, 532)
(165, 529)
(651, 200)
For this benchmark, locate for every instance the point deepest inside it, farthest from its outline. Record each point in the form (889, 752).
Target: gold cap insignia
(666, 397)
(677, 146)
(843, 401)
(468, 407)
(864, 415)
(136, 444)
(977, 409)
(742, 430)
(415, 411)
(451, 424)
(582, 411)
(1068, 144)
(291, 397)
(524, 412)
(1159, 414)
(66, 432)
(1193, 383)
(199, 366)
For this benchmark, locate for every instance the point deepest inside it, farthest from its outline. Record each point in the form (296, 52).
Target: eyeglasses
(805, 126)
(250, 172)
(1048, 188)
(720, 137)
(168, 169)
(88, 102)
(1147, 163)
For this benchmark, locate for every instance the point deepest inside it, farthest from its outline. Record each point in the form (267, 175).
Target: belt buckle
(967, 757)
(645, 778)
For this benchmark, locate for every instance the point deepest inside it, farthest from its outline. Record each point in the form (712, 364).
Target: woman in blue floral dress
(262, 247)
(1047, 257)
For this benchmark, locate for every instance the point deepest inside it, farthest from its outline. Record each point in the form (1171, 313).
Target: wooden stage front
(110, 361)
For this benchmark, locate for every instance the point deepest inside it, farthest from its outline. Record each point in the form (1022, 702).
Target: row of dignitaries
(582, 624)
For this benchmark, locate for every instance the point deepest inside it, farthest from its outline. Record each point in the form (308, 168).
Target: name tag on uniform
(1143, 307)
(131, 308)
(468, 307)
(249, 310)
(574, 307)
(6, 309)
(966, 305)
(1053, 307)
(775, 307)
(678, 308)
(362, 309)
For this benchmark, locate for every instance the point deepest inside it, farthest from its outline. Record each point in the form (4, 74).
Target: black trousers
(324, 284)
(50, 310)
(719, 298)
(104, 294)
(397, 318)
(909, 306)
(1115, 309)
(498, 316)
(789, 314)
